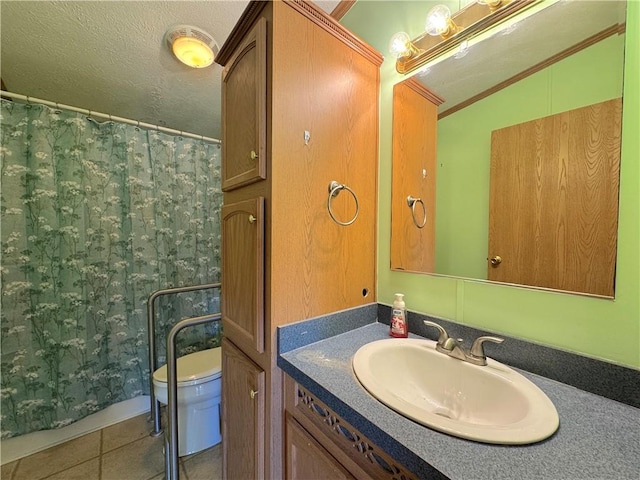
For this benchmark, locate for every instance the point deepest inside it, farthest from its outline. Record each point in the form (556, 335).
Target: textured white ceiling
(109, 57)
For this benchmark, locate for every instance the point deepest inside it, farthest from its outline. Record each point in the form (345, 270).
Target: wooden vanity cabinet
(321, 444)
(301, 92)
(307, 459)
(415, 117)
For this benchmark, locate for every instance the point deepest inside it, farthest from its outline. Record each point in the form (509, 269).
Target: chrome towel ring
(412, 201)
(334, 190)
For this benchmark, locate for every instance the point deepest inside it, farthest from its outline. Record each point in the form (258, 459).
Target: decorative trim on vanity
(360, 449)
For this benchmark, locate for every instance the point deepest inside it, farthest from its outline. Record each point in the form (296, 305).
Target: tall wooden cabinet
(242, 396)
(300, 110)
(413, 229)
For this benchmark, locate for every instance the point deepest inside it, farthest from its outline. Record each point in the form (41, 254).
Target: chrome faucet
(453, 348)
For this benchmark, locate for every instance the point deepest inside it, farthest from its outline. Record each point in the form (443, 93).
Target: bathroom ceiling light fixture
(191, 45)
(400, 45)
(439, 22)
(445, 31)
(492, 4)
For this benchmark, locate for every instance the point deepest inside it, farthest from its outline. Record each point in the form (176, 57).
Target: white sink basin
(491, 404)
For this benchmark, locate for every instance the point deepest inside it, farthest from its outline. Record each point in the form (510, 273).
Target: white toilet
(199, 378)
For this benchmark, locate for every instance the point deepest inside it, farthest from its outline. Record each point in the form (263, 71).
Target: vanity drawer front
(361, 457)
(306, 458)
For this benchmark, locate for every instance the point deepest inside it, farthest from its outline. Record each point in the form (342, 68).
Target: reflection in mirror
(553, 70)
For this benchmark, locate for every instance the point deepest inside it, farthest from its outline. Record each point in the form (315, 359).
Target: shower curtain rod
(91, 113)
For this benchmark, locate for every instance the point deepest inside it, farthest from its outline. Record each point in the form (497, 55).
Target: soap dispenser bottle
(399, 328)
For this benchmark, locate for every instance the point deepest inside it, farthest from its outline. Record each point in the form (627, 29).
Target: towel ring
(334, 190)
(412, 201)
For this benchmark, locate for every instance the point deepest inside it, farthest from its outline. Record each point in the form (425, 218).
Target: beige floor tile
(89, 470)
(139, 460)
(182, 473)
(125, 432)
(7, 470)
(58, 458)
(206, 465)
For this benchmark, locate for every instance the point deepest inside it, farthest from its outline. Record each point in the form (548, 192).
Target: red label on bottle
(398, 324)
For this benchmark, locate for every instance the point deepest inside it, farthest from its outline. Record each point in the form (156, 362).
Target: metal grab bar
(171, 439)
(151, 327)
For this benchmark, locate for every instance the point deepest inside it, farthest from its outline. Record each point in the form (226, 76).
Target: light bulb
(492, 4)
(400, 45)
(439, 22)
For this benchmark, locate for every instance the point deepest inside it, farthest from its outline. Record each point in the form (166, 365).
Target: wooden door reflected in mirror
(553, 205)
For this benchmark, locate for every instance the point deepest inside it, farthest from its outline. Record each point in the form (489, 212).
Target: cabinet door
(243, 415)
(413, 228)
(307, 459)
(244, 97)
(243, 272)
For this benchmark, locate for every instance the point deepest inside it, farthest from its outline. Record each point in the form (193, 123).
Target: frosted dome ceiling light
(192, 46)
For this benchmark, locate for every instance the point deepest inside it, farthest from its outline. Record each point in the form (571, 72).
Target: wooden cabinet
(413, 229)
(243, 267)
(243, 404)
(307, 459)
(301, 92)
(319, 442)
(244, 97)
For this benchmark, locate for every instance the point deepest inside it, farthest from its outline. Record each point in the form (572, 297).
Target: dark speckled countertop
(598, 438)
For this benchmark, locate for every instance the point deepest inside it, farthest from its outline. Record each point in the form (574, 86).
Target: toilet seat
(194, 368)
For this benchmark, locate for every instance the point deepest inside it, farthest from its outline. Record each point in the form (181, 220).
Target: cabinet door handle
(252, 219)
(253, 155)
(253, 393)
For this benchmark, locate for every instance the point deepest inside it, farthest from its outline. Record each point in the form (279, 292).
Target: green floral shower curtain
(95, 217)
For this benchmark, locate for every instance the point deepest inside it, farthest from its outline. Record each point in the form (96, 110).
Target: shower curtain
(95, 217)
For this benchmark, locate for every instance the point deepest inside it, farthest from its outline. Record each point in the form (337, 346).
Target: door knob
(495, 261)
(253, 155)
(252, 219)
(253, 394)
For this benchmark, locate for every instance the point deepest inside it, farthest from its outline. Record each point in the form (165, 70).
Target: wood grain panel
(413, 173)
(243, 272)
(323, 87)
(244, 97)
(361, 457)
(244, 415)
(554, 200)
(307, 459)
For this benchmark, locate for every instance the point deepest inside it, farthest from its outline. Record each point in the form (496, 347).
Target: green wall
(605, 329)
(590, 76)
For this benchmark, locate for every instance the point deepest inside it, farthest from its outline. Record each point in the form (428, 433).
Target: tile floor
(124, 451)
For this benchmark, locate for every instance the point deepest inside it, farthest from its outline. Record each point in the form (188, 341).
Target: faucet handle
(477, 349)
(444, 336)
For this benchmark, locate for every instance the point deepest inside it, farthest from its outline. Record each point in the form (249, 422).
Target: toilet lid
(194, 368)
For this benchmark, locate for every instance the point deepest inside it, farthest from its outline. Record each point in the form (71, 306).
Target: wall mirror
(548, 86)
